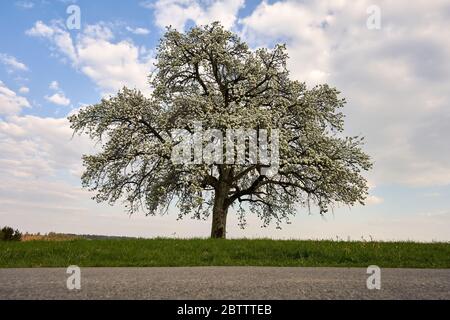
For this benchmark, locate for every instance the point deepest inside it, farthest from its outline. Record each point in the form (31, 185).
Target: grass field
(205, 252)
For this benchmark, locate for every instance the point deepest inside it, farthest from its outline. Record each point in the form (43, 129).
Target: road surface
(224, 283)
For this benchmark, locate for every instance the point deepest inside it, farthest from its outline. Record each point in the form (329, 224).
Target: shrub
(9, 234)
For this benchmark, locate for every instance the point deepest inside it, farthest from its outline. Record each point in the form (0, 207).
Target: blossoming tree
(209, 75)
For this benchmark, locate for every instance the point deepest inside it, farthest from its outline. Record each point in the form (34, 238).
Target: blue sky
(395, 79)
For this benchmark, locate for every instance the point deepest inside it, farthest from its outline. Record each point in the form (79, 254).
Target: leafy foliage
(210, 75)
(9, 234)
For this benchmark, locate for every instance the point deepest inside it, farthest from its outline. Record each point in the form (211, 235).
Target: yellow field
(51, 236)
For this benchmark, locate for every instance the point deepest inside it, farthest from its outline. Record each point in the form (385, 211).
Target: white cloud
(25, 4)
(110, 64)
(12, 63)
(373, 200)
(301, 26)
(10, 102)
(54, 85)
(24, 90)
(32, 146)
(40, 163)
(40, 29)
(119, 64)
(58, 98)
(148, 4)
(178, 12)
(98, 31)
(138, 31)
(58, 35)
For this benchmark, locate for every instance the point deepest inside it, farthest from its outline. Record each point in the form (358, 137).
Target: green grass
(202, 252)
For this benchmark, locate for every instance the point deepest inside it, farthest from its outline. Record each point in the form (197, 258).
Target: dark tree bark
(220, 211)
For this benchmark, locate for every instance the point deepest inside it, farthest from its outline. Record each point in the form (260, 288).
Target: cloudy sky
(396, 79)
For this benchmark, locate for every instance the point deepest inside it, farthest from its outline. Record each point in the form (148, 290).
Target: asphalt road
(224, 283)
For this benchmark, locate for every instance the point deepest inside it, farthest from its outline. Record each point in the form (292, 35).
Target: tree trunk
(220, 211)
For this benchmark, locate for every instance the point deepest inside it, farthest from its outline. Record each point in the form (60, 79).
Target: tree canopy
(209, 75)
